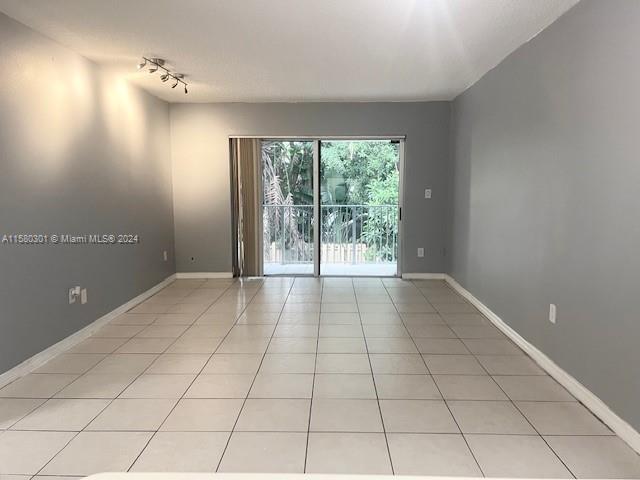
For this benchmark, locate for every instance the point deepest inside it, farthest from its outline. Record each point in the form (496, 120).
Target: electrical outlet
(552, 313)
(74, 293)
(420, 252)
(165, 256)
(427, 193)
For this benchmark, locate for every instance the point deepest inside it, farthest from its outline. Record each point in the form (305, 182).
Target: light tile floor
(342, 269)
(335, 375)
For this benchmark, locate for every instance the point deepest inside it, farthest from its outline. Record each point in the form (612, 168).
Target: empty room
(245, 239)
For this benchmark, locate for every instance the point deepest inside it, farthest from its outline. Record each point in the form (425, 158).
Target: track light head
(165, 77)
(185, 89)
(142, 64)
(178, 78)
(155, 64)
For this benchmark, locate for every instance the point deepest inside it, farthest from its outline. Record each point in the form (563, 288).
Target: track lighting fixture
(156, 64)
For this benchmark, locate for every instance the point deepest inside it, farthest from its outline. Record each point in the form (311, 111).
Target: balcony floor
(333, 269)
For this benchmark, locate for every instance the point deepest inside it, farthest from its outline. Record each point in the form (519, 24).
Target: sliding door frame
(317, 221)
(317, 139)
(400, 208)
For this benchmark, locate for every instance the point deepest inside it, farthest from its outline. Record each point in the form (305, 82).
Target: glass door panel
(359, 190)
(288, 207)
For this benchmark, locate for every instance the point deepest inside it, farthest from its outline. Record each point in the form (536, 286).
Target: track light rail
(155, 64)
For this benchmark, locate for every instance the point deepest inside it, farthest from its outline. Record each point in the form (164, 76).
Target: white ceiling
(297, 50)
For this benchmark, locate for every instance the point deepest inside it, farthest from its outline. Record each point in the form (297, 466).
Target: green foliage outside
(287, 173)
(352, 173)
(366, 170)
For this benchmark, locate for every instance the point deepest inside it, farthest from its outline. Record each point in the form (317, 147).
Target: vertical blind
(246, 201)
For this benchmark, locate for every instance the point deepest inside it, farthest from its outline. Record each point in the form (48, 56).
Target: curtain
(246, 202)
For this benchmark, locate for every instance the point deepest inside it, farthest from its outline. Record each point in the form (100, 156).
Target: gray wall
(80, 152)
(545, 179)
(200, 153)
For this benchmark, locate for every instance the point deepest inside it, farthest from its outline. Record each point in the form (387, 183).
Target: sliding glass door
(360, 184)
(288, 207)
(331, 207)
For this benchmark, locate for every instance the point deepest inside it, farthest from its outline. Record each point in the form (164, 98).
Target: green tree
(353, 171)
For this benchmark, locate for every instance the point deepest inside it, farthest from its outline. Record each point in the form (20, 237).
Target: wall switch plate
(74, 293)
(83, 296)
(552, 313)
(420, 252)
(165, 256)
(427, 193)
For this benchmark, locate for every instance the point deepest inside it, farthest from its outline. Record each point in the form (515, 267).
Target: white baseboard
(423, 276)
(625, 431)
(204, 275)
(39, 359)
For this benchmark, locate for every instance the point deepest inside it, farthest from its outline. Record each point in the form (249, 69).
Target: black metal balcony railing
(355, 234)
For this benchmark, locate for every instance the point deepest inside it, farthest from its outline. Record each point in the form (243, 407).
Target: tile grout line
(198, 374)
(513, 403)
(540, 435)
(508, 398)
(438, 387)
(191, 383)
(144, 370)
(22, 417)
(373, 378)
(313, 384)
(112, 399)
(245, 306)
(488, 434)
(244, 402)
(329, 431)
